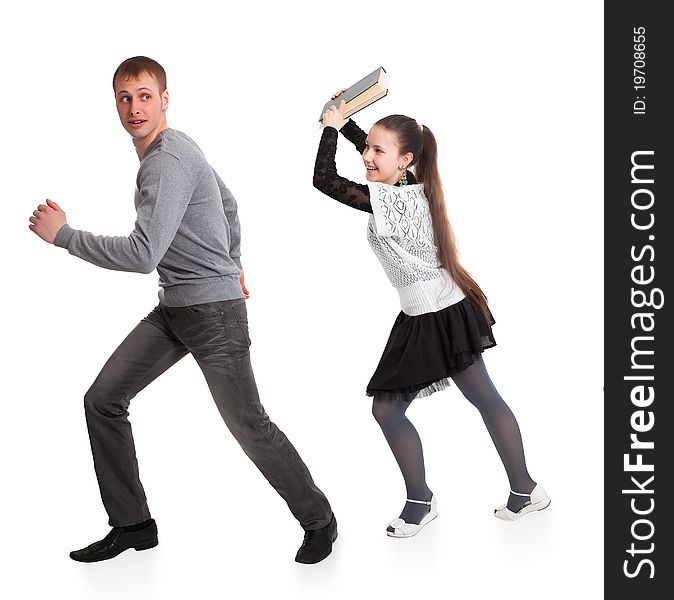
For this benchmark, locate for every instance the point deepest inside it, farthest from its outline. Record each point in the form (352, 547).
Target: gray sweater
(186, 227)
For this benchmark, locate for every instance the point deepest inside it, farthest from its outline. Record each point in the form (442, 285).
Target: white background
(513, 92)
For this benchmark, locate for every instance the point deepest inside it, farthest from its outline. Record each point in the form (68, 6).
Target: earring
(403, 177)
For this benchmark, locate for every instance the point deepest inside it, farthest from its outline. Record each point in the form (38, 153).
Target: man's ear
(164, 100)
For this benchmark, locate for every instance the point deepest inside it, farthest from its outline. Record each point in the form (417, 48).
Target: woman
(445, 323)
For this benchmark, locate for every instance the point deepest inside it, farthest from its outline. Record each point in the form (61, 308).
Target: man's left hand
(47, 220)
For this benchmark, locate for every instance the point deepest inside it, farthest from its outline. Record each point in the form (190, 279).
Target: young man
(187, 228)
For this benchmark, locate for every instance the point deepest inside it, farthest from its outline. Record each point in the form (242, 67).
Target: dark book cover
(356, 89)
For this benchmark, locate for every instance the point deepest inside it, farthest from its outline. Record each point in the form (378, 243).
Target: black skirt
(424, 351)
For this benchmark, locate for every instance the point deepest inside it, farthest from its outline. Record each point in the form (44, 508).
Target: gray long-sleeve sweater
(186, 227)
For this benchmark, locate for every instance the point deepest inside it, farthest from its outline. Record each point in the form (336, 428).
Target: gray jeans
(216, 334)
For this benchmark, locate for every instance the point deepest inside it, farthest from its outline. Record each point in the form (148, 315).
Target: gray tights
(389, 410)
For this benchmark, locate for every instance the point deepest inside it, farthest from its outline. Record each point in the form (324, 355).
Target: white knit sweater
(401, 234)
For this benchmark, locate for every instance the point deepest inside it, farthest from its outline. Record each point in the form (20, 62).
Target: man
(187, 228)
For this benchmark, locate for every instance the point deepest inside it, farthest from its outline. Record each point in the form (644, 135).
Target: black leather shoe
(116, 542)
(317, 543)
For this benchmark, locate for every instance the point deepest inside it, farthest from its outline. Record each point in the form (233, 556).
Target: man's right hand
(244, 289)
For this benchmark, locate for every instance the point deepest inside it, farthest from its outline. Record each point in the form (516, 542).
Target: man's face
(140, 105)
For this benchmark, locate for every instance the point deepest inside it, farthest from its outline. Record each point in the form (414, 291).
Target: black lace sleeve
(354, 134)
(330, 183)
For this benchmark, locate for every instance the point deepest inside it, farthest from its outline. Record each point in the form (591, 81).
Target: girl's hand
(333, 117)
(338, 93)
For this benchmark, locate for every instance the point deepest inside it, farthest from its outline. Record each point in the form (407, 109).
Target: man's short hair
(134, 67)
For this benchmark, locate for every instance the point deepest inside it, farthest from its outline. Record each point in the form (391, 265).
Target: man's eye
(147, 96)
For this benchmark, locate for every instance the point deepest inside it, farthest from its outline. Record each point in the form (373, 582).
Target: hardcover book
(361, 94)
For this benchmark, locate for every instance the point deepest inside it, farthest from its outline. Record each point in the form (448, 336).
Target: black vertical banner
(639, 299)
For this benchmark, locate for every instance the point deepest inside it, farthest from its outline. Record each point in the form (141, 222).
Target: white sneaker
(402, 529)
(538, 500)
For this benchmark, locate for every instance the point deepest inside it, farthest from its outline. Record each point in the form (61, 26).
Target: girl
(444, 324)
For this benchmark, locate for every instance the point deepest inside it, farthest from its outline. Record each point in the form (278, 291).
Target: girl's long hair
(420, 141)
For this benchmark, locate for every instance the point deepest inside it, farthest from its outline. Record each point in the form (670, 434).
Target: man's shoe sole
(138, 547)
(313, 562)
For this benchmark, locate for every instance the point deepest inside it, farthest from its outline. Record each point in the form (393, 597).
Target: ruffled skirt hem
(424, 351)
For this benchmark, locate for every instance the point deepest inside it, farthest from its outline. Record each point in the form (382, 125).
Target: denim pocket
(240, 313)
(207, 308)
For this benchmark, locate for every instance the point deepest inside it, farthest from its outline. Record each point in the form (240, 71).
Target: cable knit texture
(400, 232)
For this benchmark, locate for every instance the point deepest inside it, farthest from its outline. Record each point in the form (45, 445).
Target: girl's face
(382, 158)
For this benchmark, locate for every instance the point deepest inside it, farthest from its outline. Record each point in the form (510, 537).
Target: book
(361, 94)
